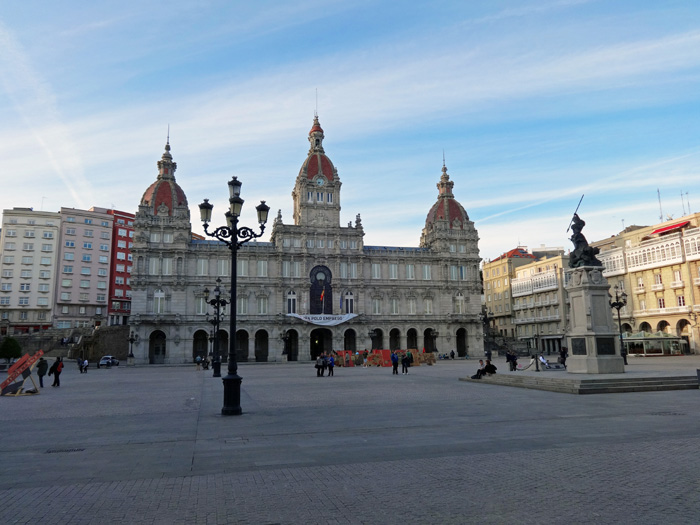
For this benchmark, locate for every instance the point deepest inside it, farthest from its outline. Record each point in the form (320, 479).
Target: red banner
(25, 362)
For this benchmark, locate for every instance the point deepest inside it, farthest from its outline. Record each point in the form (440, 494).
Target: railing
(657, 287)
(677, 284)
(639, 289)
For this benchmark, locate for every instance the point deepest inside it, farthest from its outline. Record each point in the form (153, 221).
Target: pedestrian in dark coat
(394, 362)
(405, 363)
(41, 368)
(56, 370)
(331, 365)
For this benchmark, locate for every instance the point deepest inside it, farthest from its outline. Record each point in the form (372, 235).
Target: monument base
(595, 365)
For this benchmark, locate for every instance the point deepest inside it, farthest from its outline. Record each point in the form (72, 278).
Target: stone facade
(314, 287)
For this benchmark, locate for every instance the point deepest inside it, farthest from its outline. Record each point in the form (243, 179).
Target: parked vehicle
(108, 361)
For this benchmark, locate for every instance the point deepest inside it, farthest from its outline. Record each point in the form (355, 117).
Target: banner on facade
(324, 319)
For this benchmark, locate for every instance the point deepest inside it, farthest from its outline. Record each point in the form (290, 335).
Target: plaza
(148, 445)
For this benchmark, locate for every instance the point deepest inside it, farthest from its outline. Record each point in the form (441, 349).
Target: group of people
(487, 368)
(325, 362)
(406, 361)
(512, 360)
(42, 367)
(82, 365)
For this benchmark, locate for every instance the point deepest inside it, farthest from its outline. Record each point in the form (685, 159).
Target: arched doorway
(261, 346)
(412, 339)
(320, 340)
(291, 345)
(223, 346)
(429, 340)
(394, 339)
(241, 346)
(663, 326)
(156, 348)
(626, 328)
(200, 344)
(645, 327)
(350, 340)
(462, 349)
(683, 330)
(377, 339)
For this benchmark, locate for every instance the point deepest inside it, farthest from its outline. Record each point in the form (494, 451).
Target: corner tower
(317, 189)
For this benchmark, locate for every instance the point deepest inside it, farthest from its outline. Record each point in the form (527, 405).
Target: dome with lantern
(165, 196)
(317, 163)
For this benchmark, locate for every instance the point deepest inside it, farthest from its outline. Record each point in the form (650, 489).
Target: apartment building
(119, 307)
(29, 248)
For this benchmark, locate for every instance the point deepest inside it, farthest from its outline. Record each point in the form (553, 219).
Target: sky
(532, 103)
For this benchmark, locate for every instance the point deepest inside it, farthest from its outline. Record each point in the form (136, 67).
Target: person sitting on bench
(490, 368)
(480, 371)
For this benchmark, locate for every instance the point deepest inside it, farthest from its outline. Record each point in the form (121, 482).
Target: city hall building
(314, 287)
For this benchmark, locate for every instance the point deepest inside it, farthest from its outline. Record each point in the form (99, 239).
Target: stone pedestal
(592, 339)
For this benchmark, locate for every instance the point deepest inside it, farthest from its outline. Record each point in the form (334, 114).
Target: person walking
(319, 365)
(331, 365)
(563, 354)
(198, 362)
(394, 363)
(404, 363)
(41, 369)
(56, 370)
(85, 366)
(410, 359)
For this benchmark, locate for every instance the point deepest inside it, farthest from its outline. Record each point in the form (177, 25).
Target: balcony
(657, 287)
(677, 284)
(696, 281)
(639, 289)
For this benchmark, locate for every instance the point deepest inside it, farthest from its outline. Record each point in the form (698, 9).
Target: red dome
(317, 163)
(446, 208)
(164, 191)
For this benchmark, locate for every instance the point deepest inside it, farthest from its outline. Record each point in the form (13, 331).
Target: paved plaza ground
(148, 445)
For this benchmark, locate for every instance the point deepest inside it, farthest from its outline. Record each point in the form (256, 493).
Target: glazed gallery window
(393, 271)
(349, 303)
(223, 266)
(394, 306)
(202, 266)
(153, 266)
(459, 303)
(167, 266)
(411, 306)
(201, 305)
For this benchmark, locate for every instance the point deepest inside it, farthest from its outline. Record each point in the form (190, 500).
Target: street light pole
(619, 303)
(218, 303)
(234, 237)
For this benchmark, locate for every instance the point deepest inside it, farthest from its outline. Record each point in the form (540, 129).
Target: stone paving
(148, 445)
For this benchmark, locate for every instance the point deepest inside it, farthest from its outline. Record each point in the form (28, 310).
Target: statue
(583, 254)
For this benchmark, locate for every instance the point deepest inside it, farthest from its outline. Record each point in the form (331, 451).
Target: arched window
(291, 302)
(158, 301)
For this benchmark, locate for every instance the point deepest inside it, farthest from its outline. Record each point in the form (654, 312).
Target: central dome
(446, 209)
(164, 195)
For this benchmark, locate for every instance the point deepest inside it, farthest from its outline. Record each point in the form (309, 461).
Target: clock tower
(317, 189)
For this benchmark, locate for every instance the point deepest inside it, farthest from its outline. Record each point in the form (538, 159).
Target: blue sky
(533, 102)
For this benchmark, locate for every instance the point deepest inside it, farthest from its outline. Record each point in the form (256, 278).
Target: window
(29, 233)
(46, 261)
(43, 287)
(118, 293)
(11, 233)
(459, 303)
(85, 270)
(28, 246)
(46, 248)
(262, 268)
(242, 269)
(376, 306)
(5, 301)
(427, 274)
(84, 297)
(349, 303)
(376, 271)
(343, 270)
(168, 238)
(410, 271)
(87, 257)
(393, 271)
(353, 270)
(6, 287)
(121, 232)
(201, 305)
(88, 233)
(65, 296)
(27, 260)
(167, 266)
(70, 231)
(657, 278)
(102, 285)
(121, 256)
(320, 243)
(67, 269)
(394, 306)
(101, 298)
(158, 302)
(24, 287)
(242, 305)
(119, 280)
(102, 272)
(120, 267)
(8, 259)
(262, 305)
(10, 246)
(84, 283)
(329, 198)
(662, 303)
(105, 224)
(202, 266)
(104, 235)
(24, 301)
(428, 306)
(155, 237)
(88, 221)
(291, 302)
(680, 300)
(153, 266)
(309, 243)
(24, 273)
(8, 273)
(286, 266)
(121, 244)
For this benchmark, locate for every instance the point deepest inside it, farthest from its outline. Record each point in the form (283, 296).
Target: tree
(10, 349)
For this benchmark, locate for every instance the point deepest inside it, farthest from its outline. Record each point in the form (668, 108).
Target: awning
(667, 229)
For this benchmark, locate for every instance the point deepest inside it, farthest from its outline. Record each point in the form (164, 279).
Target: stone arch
(395, 339)
(241, 346)
(350, 340)
(663, 326)
(377, 339)
(412, 339)
(462, 346)
(157, 345)
(200, 344)
(262, 348)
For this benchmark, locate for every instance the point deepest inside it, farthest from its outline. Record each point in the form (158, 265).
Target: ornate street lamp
(132, 339)
(619, 303)
(371, 334)
(234, 237)
(218, 303)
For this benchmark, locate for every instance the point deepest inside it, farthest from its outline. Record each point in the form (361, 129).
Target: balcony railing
(657, 287)
(677, 284)
(639, 289)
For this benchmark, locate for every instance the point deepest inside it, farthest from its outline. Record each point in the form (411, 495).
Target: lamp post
(619, 303)
(284, 336)
(218, 303)
(371, 334)
(132, 339)
(234, 237)
(211, 346)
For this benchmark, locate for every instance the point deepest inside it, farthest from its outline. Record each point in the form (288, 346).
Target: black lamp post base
(216, 366)
(232, 395)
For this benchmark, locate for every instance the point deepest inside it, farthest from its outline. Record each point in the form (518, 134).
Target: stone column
(593, 341)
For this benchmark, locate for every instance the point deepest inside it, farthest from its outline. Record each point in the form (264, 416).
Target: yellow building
(658, 267)
(540, 304)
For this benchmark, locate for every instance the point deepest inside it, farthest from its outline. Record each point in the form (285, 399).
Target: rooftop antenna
(443, 157)
(316, 110)
(686, 198)
(661, 211)
(168, 139)
(682, 202)
(623, 224)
